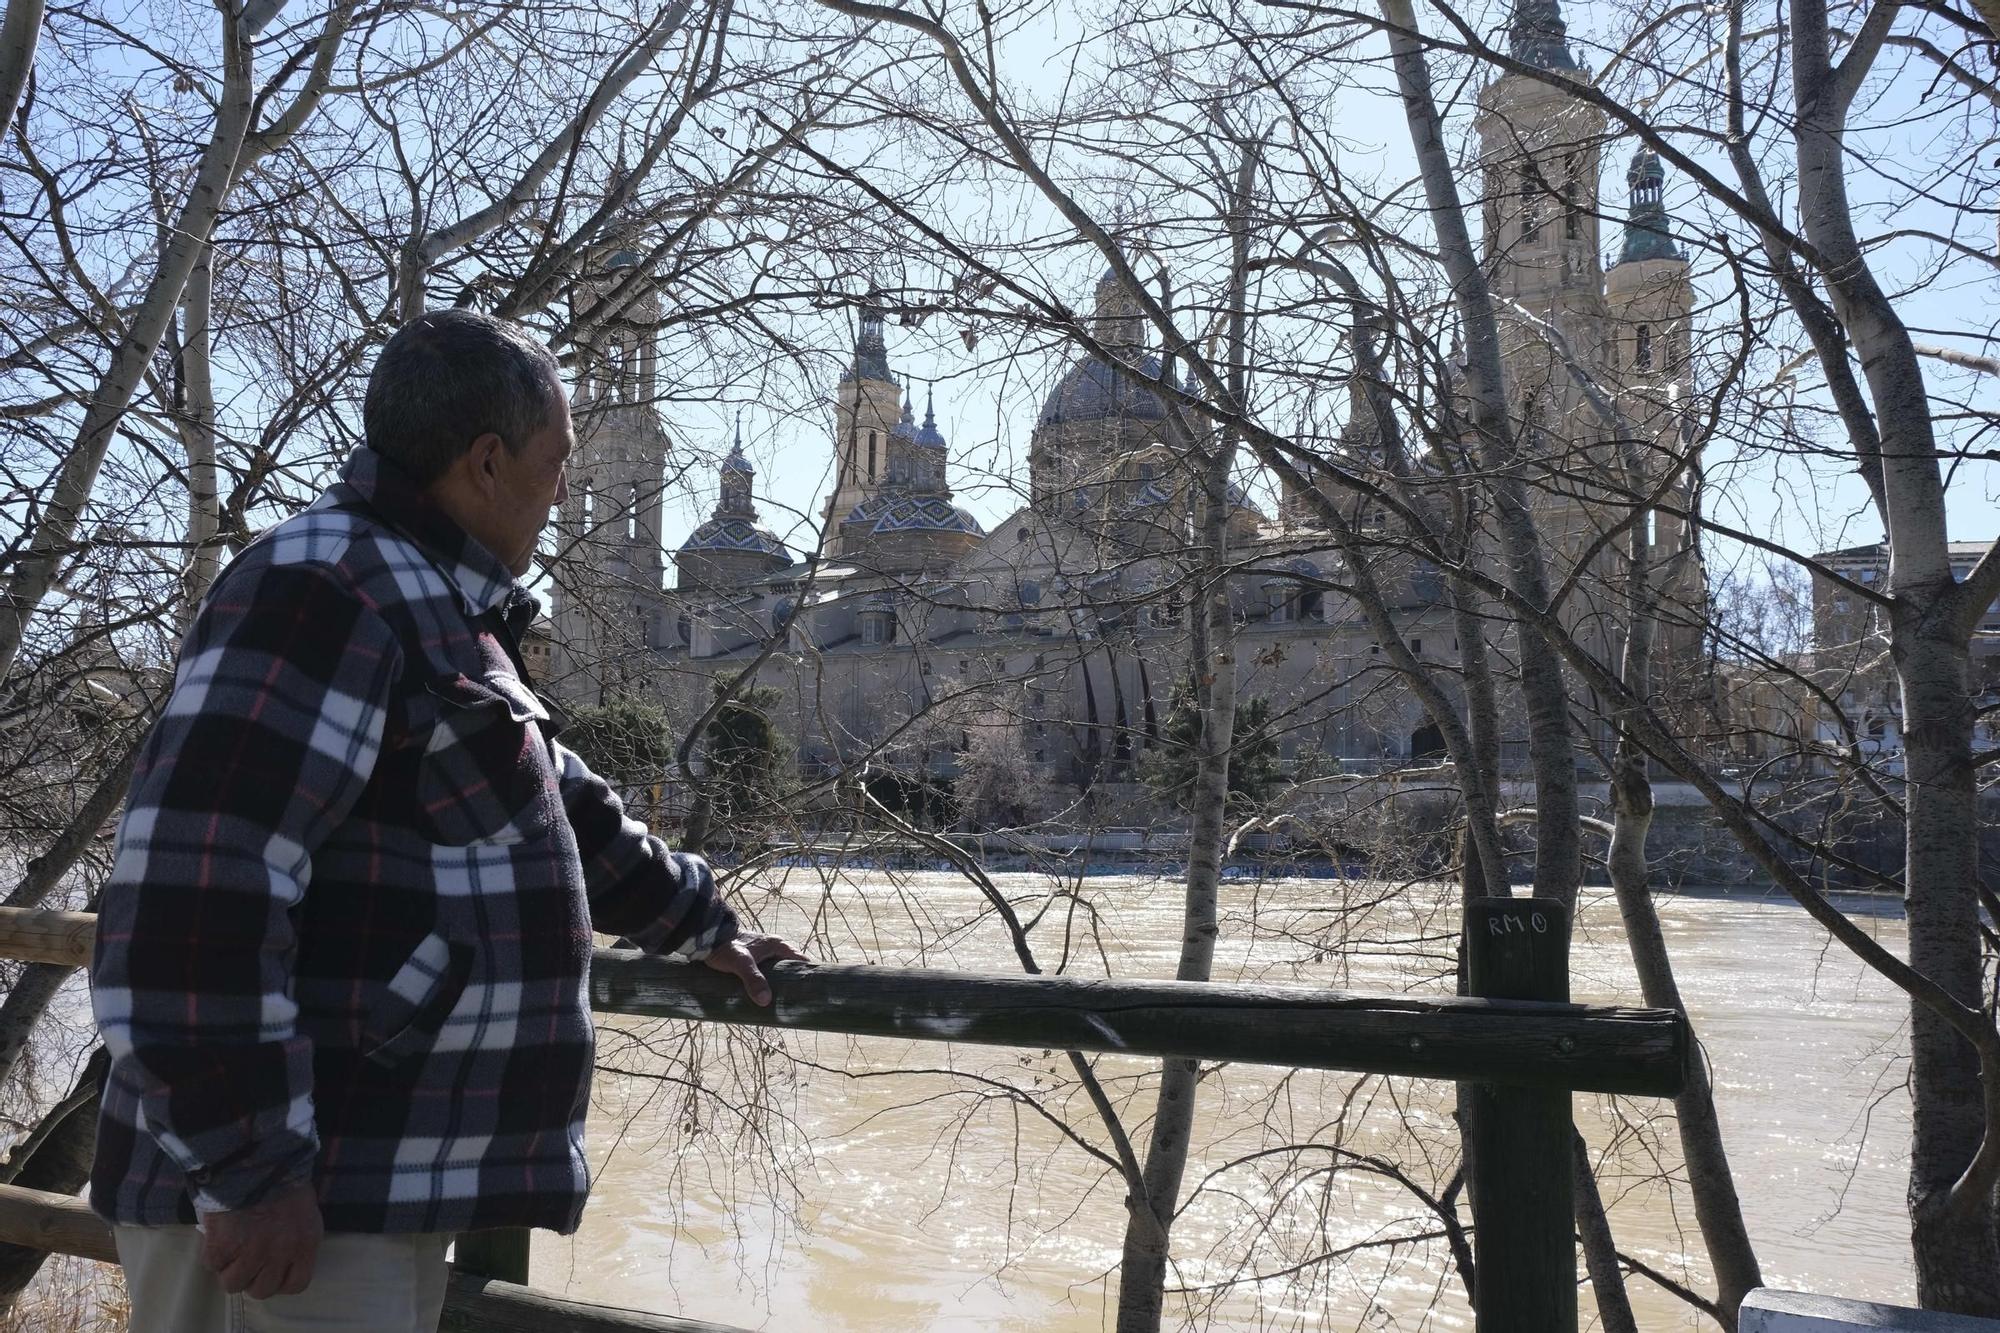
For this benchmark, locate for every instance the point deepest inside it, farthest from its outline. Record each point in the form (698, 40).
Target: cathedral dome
(1093, 390)
(1153, 494)
(732, 533)
(912, 513)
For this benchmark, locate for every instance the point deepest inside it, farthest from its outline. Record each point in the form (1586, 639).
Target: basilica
(1061, 629)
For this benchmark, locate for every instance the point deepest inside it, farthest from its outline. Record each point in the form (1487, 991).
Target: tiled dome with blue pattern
(912, 513)
(731, 533)
(1152, 494)
(1094, 391)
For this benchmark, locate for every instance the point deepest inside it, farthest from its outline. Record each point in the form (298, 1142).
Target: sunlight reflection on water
(912, 1202)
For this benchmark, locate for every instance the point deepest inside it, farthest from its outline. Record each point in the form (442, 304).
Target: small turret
(737, 478)
(1537, 35)
(1646, 225)
(931, 443)
(871, 349)
(1116, 321)
(730, 549)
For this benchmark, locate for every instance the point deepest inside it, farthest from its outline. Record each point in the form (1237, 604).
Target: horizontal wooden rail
(1590, 1048)
(62, 1225)
(37, 935)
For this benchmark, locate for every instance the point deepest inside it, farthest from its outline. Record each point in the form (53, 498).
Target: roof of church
(1646, 227)
(912, 513)
(1152, 494)
(731, 532)
(1093, 390)
(871, 350)
(930, 436)
(1537, 35)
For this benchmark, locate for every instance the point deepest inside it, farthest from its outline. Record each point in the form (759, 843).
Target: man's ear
(481, 462)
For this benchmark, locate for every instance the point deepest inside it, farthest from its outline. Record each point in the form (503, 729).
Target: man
(341, 958)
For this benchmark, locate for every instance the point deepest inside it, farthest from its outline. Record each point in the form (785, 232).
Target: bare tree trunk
(1717, 1208)
(56, 534)
(47, 870)
(1558, 836)
(56, 1157)
(1142, 1270)
(1957, 1248)
(19, 33)
(197, 430)
(1600, 1251)
(23, 1008)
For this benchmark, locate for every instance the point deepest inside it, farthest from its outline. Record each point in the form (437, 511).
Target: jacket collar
(482, 582)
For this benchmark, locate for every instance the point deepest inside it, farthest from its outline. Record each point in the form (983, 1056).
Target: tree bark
(19, 33)
(1718, 1210)
(1600, 1251)
(1558, 836)
(1142, 1269)
(56, 534)
(57, 1158)
(196, 421)
(1954, 1238)
(23, 1008)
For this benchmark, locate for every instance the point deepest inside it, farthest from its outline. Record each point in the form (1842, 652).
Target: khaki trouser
(361, 1284)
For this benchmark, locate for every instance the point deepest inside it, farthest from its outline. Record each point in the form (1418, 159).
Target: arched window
(871, 455)
(1531, 205)
(632, 514)
(1642, 348)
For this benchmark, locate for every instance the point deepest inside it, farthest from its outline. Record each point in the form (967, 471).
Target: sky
(987, 410)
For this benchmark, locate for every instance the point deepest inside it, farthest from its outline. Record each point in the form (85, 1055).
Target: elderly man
(341, 959)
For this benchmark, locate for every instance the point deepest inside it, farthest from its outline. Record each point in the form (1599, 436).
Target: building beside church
(912, 627)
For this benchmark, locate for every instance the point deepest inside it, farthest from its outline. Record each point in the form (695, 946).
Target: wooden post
(1523, 1206)
(500, 1253)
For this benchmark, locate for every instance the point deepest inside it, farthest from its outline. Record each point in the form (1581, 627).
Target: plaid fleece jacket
(347, 934)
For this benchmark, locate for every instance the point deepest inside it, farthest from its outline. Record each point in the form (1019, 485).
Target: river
(889, 1201)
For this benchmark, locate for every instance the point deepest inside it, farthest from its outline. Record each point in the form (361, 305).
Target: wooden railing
(1521, 1046)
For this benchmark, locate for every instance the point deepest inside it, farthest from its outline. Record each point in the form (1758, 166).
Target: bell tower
(1538, 156)
(608, 599)
(1651, 328)
(867, 412)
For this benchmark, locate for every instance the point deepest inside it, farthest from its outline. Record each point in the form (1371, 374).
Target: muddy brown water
(915, 1201)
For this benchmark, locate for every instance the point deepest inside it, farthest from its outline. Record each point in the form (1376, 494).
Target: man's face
(531, 482)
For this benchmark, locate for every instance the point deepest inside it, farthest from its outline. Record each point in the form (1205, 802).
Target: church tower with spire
(1651, 325)
(867, 412)
(608, 600)
(1539, 150)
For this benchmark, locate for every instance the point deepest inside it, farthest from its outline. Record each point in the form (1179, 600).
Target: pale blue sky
(986, 406)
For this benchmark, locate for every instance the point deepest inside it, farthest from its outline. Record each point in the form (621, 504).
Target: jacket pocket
(485, 775)
(417, 1002)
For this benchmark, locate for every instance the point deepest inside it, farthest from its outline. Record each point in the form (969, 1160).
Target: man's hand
(743, 957)
(266, 1249)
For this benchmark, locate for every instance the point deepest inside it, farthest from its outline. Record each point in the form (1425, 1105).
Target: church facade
(1062, 627)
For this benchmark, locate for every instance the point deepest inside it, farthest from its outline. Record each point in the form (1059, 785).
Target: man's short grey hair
(449, 376)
